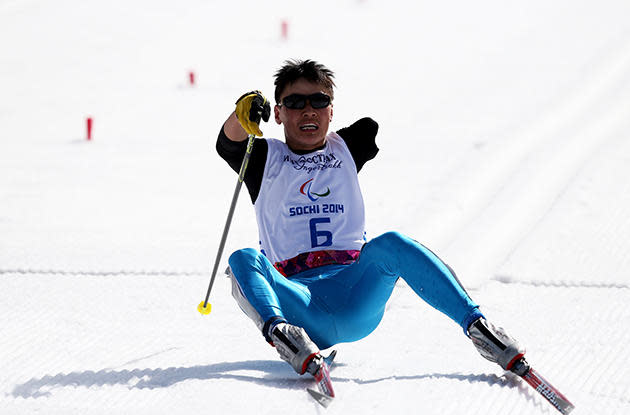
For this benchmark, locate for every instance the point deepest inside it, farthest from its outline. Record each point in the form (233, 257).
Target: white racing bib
(309, 202)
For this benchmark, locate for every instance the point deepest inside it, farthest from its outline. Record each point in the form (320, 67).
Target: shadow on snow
(275, 374)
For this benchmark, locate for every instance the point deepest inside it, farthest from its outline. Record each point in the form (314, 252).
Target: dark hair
(292, 70)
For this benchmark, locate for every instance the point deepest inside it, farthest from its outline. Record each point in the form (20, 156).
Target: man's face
(306, 128)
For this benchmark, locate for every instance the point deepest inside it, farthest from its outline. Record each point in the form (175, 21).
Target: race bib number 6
(320, 237)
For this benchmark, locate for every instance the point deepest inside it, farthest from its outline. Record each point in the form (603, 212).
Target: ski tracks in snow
(523, 179)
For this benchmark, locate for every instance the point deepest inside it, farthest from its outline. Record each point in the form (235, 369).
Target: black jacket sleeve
(233, 152)
(360, 138)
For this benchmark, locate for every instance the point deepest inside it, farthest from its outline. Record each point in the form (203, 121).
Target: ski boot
(295, 347)
(494, 344)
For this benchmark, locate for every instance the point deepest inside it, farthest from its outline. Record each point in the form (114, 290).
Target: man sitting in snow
(316, 281)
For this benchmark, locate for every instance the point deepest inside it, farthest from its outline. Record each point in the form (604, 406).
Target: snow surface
(515, 120)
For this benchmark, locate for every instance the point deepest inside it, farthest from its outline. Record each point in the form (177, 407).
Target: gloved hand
(250, 109)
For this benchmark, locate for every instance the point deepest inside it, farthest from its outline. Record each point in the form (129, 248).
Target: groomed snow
(505, 147)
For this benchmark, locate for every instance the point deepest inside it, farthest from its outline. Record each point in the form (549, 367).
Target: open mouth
(309, 127)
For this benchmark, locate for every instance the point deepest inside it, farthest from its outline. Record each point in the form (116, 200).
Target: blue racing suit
(344, 303)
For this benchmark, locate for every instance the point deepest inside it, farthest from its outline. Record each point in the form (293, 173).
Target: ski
(320, 368)
(323, 400)
(542, 386)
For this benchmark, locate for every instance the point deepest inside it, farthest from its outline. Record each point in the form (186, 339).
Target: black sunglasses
(318, 100)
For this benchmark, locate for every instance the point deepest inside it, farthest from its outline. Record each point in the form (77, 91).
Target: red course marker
(89, 128)
(284, 28)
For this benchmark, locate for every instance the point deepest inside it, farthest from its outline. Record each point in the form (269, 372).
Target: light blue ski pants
(344, 303)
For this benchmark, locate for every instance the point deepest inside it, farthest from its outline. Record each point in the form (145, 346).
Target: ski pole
(204, 307)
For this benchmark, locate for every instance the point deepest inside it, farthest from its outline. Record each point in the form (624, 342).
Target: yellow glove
(250, 109)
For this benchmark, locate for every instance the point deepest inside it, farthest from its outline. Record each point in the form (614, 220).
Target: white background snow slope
(505, 147)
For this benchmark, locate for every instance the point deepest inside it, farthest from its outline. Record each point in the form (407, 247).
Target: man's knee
(243, 260)
(243, 256)
(391, 240)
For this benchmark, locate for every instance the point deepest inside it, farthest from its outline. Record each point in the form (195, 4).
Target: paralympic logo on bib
(305, 189)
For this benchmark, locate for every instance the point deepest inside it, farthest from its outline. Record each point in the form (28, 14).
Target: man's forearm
(233, 129)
